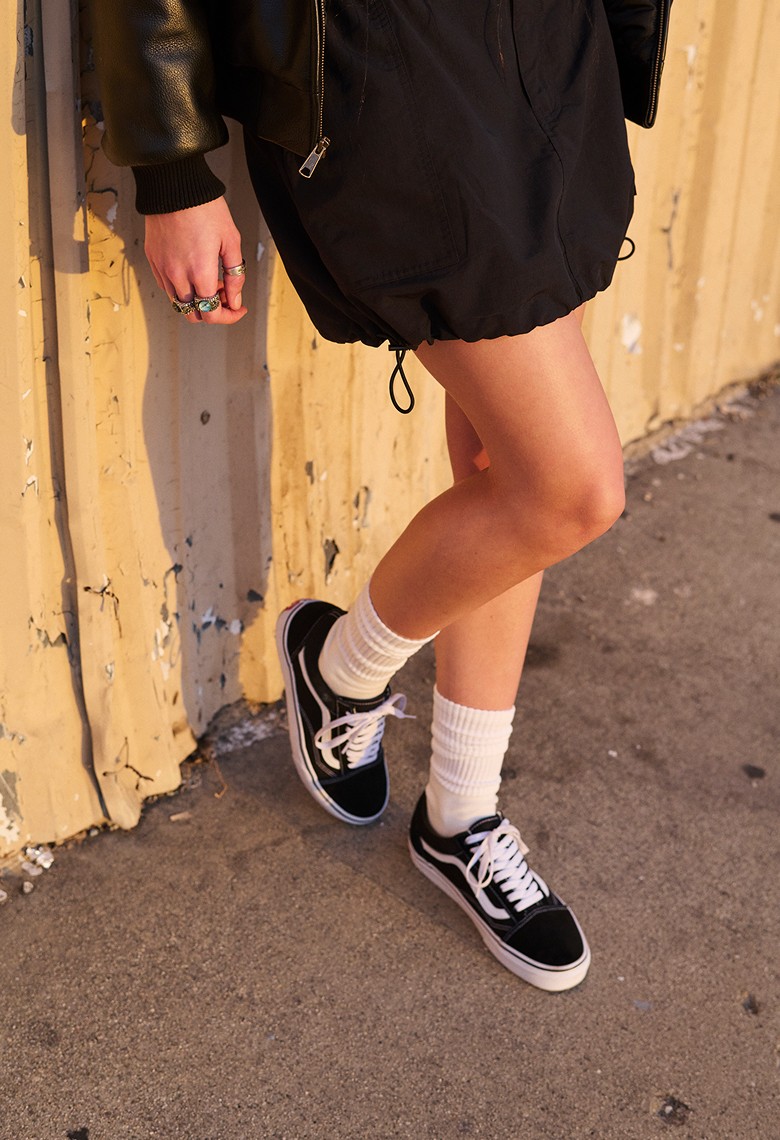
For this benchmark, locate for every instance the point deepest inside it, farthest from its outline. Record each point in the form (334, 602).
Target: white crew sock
(361, 654)
(468, 747)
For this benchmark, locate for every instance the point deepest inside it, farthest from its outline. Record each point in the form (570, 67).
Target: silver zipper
(655, 83)
(323, 142)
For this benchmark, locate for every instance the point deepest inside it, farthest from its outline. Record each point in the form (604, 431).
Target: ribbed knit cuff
(170, 186)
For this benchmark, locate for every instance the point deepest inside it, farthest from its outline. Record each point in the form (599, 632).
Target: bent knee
(563, 515)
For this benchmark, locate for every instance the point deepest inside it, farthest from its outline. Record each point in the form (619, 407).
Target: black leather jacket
(170, 69)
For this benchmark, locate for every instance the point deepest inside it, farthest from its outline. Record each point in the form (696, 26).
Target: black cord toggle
(400, 353)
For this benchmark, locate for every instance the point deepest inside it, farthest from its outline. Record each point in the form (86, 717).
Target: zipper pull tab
(311, 163)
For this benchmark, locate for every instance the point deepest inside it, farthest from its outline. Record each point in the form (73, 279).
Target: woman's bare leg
(479, 657)
(554, 483)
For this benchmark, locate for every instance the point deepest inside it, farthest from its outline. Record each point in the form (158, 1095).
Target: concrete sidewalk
(255, 969)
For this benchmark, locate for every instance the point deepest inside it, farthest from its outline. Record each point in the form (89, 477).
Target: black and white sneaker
(336, 741)
(521, 921)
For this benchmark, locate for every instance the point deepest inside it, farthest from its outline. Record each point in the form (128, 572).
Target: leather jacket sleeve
(156, 73)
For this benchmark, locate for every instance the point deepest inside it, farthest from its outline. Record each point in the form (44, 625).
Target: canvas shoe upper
(336, 741)
(522, 922)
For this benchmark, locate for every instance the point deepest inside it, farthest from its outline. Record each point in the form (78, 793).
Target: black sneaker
(521, 921)
(336, 741)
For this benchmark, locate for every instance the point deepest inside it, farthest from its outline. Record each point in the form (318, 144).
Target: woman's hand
(184, 250)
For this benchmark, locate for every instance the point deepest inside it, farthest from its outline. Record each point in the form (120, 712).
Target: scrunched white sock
(361, 654)
(467, 751)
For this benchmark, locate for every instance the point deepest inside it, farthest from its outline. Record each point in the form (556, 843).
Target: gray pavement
(256, 969)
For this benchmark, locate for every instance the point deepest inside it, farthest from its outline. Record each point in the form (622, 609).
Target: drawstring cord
(400, 353)
(632, 243)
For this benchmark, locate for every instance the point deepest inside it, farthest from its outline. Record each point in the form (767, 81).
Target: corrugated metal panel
(166, 489)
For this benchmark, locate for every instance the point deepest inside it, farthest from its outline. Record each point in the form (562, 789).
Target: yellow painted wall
(165, 489)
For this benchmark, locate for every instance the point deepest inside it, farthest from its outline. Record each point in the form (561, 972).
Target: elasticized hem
(179, 185)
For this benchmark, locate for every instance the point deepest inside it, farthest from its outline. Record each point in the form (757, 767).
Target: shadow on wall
(205, 430)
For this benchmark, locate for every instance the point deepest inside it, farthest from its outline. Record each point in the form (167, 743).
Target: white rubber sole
(554, 979)
(307, 775)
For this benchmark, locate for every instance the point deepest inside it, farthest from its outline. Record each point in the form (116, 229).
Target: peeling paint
(9, 828)
(668, 229)
(7, 733)
(361, 503)
(45, 638)
(259, 251)
(29, 447)
(8, 793)
(331, 550)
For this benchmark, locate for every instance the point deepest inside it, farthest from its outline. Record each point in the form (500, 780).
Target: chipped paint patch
(8, 734)
(331, 550)
(630, 332)
(10, 811)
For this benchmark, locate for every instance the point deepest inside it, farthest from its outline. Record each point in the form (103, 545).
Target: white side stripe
(327, 753)
(479, 894)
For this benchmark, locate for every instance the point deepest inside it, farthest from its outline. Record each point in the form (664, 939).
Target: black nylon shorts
(478, 181)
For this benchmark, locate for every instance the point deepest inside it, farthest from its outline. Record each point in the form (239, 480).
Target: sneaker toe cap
(550, 936)
(363, 793)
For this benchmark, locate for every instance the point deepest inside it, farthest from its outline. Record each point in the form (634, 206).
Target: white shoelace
(498, 856)
(362, 731)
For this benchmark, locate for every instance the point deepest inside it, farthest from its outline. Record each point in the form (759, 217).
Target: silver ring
(235, 270)
(207, 304)
(183, 307)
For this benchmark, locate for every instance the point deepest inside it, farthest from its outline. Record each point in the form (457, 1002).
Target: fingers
(232, 283)
(184, 249)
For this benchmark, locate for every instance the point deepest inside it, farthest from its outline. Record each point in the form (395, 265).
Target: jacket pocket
(375, 207)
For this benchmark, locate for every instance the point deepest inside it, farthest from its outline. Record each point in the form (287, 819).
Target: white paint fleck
(259, 251)
(208, 618)
(22, 312)
(115, 307)
(630, 332)
(28, 449)
(31, 482)
(323, 476)
(26, 393)
(611, 752)
(111, 214)
(110, 667)
(691, 53)
(236, 626)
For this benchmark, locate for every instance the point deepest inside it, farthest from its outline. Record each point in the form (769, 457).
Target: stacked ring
(235, 270)
(207, 304)
(183, 307)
